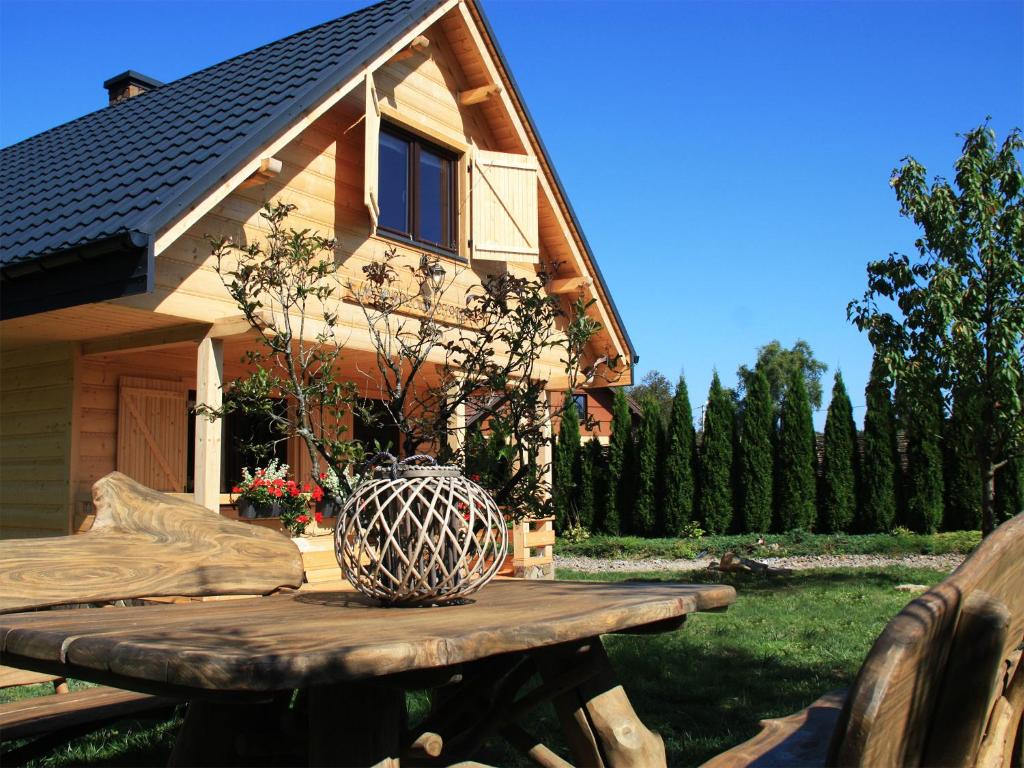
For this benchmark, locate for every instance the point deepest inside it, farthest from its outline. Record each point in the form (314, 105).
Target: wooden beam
(418, 45)
(209, 380)
(563, 285)
(478, 95)
(136, 342)
(269, 168)
(226, 327)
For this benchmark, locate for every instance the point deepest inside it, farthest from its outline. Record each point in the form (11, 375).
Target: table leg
(355, 724)
(600, 725)
(211, 731)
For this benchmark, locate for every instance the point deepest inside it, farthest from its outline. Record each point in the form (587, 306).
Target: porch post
(545, 451)
(457, 427)
(209, 378)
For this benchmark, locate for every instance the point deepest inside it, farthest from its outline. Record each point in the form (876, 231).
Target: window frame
(581, 412)
(449, 206)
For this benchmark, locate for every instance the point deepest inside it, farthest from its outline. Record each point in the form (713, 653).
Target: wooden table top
(300, 639)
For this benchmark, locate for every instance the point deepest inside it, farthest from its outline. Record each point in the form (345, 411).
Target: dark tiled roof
(132, 166)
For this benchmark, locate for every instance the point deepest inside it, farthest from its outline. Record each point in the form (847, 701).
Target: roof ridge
(136, 100)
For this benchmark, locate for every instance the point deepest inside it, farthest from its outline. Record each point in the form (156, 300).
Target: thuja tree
(715, 494)
(878, 466)
(961, 471)
(676, 508)
(285, 286)
(439, 357)
(1010, 490)
(795, 459)
(565, 471)
(839, 470)
(591, 477)
(755, 459)
(921, 416)
(956, 307)
(648, 460)
(606, 515)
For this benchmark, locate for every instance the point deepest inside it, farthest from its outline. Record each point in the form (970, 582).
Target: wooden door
(152, 432)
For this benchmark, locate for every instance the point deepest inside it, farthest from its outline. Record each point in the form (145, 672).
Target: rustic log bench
(943, 685)
(143, 544)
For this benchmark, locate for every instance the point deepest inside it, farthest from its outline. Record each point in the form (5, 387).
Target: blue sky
(729, 160)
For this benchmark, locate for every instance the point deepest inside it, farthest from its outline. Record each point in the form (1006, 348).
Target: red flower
(236, 489)
(293, 489)
(318, 493)
(318, 517)
(303, 519)
(323, 475)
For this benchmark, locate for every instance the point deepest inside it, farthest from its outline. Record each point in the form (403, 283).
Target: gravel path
(594, 565)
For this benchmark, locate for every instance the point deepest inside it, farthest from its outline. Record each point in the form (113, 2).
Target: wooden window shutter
(505, 207)
(152, 432)
(371, 150)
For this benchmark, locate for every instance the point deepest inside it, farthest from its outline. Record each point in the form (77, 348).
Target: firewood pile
(733, 563)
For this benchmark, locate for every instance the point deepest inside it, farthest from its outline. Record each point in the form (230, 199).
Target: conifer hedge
(648, 459)
(756, 463)
(839, 465)
(878, 466)
(715, 479)
(961, 469)
(795, 460)
(923, 419)
(564, 466)
(678, 481)
(606, 510)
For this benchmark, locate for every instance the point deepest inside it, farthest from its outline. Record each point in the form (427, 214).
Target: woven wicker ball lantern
(420, 534)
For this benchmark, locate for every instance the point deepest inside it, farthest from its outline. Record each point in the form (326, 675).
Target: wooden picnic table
(238, 661)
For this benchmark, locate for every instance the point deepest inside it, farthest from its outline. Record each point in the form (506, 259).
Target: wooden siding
(599, 408)
(36, 414)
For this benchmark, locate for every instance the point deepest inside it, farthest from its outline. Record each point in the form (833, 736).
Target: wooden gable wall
(322, 173)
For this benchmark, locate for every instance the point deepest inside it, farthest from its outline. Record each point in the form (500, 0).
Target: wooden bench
(942, 686)
(143, 544)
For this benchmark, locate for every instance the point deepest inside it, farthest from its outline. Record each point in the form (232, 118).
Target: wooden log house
(114, 320)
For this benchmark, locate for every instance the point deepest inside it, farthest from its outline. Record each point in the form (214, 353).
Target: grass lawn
(704, 688)
(795, 543)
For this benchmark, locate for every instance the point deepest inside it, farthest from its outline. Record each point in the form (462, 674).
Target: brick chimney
(128, 84)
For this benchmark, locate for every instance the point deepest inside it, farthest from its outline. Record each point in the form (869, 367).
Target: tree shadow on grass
(887, 577)
(705, 700)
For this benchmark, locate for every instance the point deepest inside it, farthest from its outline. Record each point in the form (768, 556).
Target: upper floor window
(416, 182)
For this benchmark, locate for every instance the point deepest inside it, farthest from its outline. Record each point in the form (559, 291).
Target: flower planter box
(319, 560)
(251, 511)
(533, 544)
